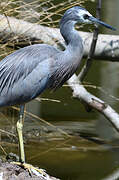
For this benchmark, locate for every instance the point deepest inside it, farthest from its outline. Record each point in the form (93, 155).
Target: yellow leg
(20, 134)
(31, 169)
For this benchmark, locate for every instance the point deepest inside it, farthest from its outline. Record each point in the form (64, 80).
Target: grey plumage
(25, 73)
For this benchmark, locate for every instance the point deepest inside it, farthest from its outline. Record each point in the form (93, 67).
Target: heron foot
(32, 170)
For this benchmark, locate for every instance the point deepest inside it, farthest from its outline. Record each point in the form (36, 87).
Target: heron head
(81, 15)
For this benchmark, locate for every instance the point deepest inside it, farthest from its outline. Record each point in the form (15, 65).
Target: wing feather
(20, 65)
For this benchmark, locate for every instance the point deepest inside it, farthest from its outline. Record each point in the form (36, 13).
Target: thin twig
(89, 61)
(47, 99)
(3, 150)
(8, 133)
(44, 121)
(49, 149)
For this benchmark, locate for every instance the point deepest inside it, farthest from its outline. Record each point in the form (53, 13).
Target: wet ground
(10, 171)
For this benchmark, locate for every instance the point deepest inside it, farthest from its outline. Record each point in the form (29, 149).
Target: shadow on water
(84, 155)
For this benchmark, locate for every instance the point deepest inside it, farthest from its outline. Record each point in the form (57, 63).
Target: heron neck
(71, 36)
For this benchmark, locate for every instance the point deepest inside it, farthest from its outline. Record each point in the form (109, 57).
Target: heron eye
(85, 16)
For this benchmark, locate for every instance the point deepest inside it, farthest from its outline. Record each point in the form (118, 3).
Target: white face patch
(81, 15)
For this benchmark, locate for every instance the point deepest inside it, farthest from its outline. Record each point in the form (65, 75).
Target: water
(73, 158)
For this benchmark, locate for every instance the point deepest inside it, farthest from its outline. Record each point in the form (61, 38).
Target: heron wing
(25, 71)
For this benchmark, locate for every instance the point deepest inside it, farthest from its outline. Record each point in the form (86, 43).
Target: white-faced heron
(27, 72)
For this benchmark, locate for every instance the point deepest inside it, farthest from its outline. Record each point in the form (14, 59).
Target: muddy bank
(10, 171)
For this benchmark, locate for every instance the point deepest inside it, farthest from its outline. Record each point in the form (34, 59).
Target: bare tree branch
(90, 59)
(107, 47)
(84, 96)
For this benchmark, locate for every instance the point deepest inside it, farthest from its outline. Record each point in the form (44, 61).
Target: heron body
(26, 73)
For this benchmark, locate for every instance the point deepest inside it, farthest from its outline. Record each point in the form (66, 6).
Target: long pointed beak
(97, 21)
